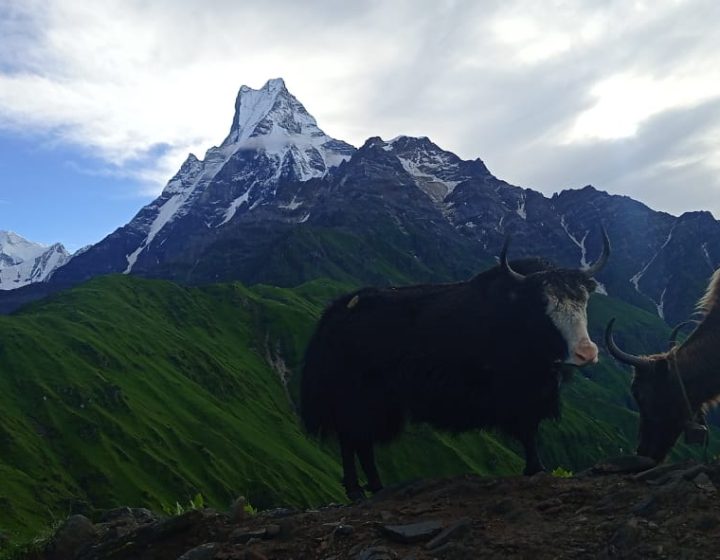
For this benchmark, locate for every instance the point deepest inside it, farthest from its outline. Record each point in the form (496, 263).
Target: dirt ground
(671, 511)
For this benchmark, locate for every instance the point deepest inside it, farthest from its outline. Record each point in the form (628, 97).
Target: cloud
(554, 94)
(670, 163)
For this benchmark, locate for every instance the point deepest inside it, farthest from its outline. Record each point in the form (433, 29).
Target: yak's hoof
(374, 488)
(355, 495)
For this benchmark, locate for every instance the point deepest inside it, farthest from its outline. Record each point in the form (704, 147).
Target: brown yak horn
(618, 354)
(597, 266)
(506, 265)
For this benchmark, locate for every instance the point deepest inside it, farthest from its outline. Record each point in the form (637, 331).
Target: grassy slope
(130, 391)
(126, 391)
(142, 392)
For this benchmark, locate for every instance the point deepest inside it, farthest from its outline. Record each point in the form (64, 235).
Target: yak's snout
(584, 353)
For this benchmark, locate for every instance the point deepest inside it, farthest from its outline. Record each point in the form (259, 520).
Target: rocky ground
(615, 510)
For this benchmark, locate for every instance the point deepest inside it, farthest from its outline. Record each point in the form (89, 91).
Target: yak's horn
(618, 354)
(506, 265)
(597, 266)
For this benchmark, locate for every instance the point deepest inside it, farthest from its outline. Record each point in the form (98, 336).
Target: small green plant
(562, 473)
(249, 509)
(197, 502)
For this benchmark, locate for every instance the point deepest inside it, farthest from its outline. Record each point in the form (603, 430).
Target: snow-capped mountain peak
(273, 140)
(16, 249)
(272, 120)
(24, 262)
(253, 106)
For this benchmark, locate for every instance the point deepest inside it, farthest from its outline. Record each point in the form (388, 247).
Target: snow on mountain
(272, 138)
(23, 262)
(579, 242)
(435, 171)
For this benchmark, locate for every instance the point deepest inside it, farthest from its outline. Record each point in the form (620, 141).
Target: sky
(100, 102)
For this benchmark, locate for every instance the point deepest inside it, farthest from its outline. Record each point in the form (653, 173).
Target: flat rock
(278, 513)
(453, 531)
(693, 472)
(659, 472)
(244, 535)
(413, 532)
(624, 464)
(202, 552)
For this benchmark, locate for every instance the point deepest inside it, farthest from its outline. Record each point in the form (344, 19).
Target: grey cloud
(640, 166)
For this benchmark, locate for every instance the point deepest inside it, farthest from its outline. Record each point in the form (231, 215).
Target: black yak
(484, 353)
(673, 388)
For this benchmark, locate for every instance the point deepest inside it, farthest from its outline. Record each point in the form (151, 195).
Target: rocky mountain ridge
(281, 202)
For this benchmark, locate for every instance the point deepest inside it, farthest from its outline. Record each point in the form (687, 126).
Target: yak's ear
(506, 265)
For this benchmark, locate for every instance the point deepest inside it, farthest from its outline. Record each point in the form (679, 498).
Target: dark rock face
(75, 534)
(281, 202)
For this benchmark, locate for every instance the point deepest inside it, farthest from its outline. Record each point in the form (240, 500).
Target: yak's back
(359, 337)
(404, 339)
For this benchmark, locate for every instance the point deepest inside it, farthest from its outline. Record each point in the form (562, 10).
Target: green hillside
(126, 391)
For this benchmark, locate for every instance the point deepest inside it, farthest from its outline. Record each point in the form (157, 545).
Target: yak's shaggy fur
(475, 354)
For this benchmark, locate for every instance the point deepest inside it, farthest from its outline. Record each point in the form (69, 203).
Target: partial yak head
(563, 295)
(672, 388)
(657, 391)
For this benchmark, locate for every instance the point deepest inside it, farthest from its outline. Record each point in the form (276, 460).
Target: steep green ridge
(370, 252)
(126, 391)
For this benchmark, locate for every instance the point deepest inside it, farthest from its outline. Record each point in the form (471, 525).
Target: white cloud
(625, 101)
(527, 86)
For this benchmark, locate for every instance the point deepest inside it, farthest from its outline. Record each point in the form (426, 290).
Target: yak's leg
(528, 438)
(366, 454)
(350, 478)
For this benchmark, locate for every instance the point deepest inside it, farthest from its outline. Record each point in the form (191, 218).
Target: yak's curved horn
(506, 265)
(597, 266)
(677, 329)
(618, 354)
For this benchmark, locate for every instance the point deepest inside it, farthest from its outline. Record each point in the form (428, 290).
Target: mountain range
(23, 262)
(281, 202)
